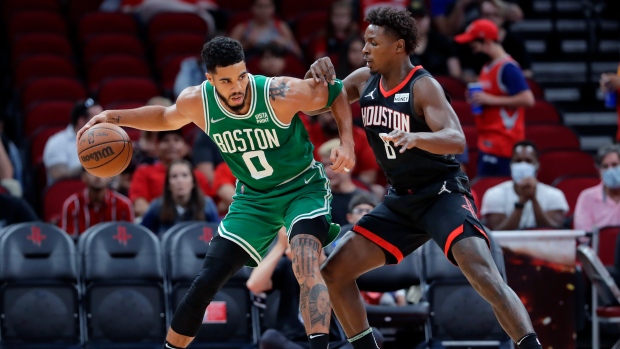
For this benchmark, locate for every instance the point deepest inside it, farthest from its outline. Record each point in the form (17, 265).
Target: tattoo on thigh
(319, 305)
(277, 89)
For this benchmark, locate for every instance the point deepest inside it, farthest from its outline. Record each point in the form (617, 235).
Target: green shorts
(255, 216)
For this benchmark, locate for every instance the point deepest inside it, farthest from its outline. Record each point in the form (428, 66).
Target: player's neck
(395, 76)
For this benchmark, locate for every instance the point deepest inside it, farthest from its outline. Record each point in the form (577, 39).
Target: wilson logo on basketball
(99, 154)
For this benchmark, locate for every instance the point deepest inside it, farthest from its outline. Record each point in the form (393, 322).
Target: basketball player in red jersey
(413, 131)
(504, 95)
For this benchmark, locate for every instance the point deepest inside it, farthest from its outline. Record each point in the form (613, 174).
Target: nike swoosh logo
(213, 121)
(309, 179)
(316, 335)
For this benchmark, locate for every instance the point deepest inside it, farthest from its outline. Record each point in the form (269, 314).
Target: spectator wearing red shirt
(95, 204)
(504, 95)
(148, 181)
(325, 128)
(223, 187)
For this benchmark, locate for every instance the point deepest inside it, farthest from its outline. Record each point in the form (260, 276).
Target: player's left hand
(481, 98)
(342, 158)
(402, 139)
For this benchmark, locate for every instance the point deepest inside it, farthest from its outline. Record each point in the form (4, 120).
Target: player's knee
(208, 282)
(333, 273)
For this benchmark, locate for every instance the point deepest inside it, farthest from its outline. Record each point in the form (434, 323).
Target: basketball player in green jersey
(253, 120)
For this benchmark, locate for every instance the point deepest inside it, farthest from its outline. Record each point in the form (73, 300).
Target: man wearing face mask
(523, 202)
(599, 206)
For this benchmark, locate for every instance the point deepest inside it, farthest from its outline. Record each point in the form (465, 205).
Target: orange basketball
(105, 150)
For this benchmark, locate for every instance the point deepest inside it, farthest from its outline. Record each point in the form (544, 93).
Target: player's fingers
(325, 71)
(338, 165)
(314, 74)
(333, 155)
(331, 77)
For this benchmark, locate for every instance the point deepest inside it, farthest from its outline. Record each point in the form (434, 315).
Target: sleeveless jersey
(499, 128)
(384, 111)
(261, 151)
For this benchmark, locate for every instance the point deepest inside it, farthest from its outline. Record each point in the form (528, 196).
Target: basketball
(105, 150)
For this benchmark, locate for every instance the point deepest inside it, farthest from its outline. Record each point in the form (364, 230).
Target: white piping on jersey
(272, 113)
(319, 211)
(252, 103)
(205, 105)
(299, 174)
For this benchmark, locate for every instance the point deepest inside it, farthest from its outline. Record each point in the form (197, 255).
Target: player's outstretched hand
(342, 158)
(97, 119)
(402, 139)
(323, 71)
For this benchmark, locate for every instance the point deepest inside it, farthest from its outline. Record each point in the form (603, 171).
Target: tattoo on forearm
(115, 119)
(319, 305)
(277, 90)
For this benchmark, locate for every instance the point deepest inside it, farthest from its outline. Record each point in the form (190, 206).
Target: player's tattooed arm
(114, 119)
(277, 88)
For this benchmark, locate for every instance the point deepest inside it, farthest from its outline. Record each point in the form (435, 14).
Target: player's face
(231, 85)
(379, 48)
(180, 182)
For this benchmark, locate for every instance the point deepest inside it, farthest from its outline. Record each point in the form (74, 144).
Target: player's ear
(209, 77)
(400, 45)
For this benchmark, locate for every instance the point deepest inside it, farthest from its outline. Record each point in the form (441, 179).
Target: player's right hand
(323, 71)
(97, 119)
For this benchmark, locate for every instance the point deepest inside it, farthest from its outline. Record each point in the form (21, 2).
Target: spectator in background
(504, 95)
(271, 61)
(611, 82)
(224, 187)
(148, 181)
(206, 156)
(192, 73)
(435, 52)
(599, 206)
(263, 29)
(450, 16)
(14, 210)
(360, 204)
(523, 202)
(343, 188)
(340, 28)
(351, 57)
(182, 201)
(368, 5)
(11, 168)
(59, 156)
(95, 204)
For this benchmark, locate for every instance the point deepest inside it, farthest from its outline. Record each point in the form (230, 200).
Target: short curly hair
(399, 23)
(221, 52)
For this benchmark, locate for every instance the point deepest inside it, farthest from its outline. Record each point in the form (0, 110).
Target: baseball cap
(478, 29)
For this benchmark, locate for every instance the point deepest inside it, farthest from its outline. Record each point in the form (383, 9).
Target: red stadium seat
(78, 8)
(116, 66)
(41, 66)
(38, 22)
(176, 23)
(169, 72)
(33, 44)
(39, 139)
(52, 89)
(177, 45)
(47, 114)
(294, 67)
(112, 44)
(12, 7)
(607, 244)
(292, 9)
(55, 195)
(98, 23)
(463, 111)
(237, 18)
(306, 25)
(471, 168)
(471, 136)
(125, 90)
(572, 186)
(549, 137)
(557, 163)
(481, 184)
(535, 88)
(455, 88)
(542, 112)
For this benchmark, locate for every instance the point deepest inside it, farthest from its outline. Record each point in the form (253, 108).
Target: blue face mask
(611, 177)
(520, 170)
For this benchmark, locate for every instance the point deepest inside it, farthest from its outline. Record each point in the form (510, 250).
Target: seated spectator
(192, 73)
(15, 210)
(263, 29)
(435, 51)
(351, 58)
(224, 187)
(271, 61)
(450, 16)
(206, 156)
(325, 128)
(11, 167)
(343, 188)
(182, 201)
(340, 28)
(599, 206)
(275, 273)
(95, 204)
(59, 156)
(523, 202)
(359, 205)
(503, 99)
(148, 181)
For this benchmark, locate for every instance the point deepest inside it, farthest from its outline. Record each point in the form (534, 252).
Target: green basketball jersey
(261, 151)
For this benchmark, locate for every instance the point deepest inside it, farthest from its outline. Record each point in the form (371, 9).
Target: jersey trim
(242, 243)
(402, 84)
(272, 113)
(252, 104)
(205, 106)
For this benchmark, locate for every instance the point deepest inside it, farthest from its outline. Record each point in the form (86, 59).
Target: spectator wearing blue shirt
(182, 201)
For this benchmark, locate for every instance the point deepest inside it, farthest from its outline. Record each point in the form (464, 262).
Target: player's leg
(222, 261)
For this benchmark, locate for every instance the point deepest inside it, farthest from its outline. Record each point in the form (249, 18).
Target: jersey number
(267, 169)
(389, 150)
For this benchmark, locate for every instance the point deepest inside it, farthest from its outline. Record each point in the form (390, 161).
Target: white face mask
(521, 170)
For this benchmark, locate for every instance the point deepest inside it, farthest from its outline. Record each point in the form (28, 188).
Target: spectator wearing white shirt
(60, 156)
(523, 202)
